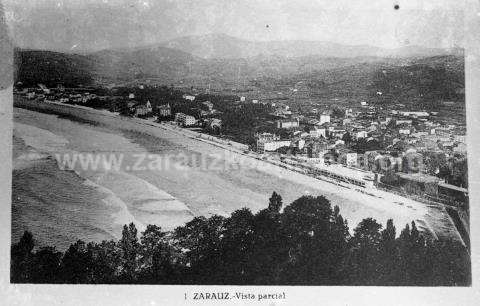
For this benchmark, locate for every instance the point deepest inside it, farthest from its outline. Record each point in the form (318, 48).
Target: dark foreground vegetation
(308, 243)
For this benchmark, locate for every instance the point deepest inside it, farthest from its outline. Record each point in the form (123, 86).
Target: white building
(300, 144)
(348, 112)
(337, 133)
(266, 136)
(184, 119)
(270, 142)
(408, 122)
(404, 131)
(362, 134)
(188, 97)
(351, 159)
(415, 114)
(324, 118)
(242, 99)
(264, 146)
(318, 133)
(288, 123)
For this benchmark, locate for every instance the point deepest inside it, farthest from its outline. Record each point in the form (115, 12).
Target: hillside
(164, 64)
(51, 68)
(423, 82)
(416, 79)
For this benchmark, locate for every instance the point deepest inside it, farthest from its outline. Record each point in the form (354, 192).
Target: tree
(389, 256)
(315, 248)
(129, 247)
(275, 203)
(156, 256)
(338, 112)
(268, 248)
(413, 250)
(308, 243)
(347, 138)
(106, 262)
(200, 241)
(76, 264)
(45, 266)
(237, 247)
(365, 244)
(21, 256)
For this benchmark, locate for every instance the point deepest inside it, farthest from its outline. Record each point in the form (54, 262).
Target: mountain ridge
(224, 46)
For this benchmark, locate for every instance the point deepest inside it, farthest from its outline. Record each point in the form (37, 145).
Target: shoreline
(396, 204)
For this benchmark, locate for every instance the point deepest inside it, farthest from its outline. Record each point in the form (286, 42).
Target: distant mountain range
(224, 46)
(222, 61)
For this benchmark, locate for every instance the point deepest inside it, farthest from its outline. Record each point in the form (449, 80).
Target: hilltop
(224, 46)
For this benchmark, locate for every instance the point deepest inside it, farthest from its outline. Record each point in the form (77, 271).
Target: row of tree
(305, 243)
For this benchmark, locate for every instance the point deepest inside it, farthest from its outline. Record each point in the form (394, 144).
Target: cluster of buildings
(59, 94)
(348, 145)
(363, 139)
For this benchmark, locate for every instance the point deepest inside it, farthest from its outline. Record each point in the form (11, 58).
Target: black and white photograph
(240, 143)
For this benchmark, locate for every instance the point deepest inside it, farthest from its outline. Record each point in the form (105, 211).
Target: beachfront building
(164, 110)
(185, 120)
(270, 142)
(427, 186)
(143, 109)
(341, 173)
(270, 146)
(351, 159)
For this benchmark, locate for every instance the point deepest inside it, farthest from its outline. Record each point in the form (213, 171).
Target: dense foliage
(308, 243)
(422, 83)
(51, 68)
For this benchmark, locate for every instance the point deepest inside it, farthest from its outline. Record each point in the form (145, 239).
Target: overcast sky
(99, 24)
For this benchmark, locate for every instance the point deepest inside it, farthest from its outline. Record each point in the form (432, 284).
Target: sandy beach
(170, 197)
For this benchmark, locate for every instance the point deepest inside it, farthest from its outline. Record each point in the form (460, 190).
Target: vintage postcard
(238, 152)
